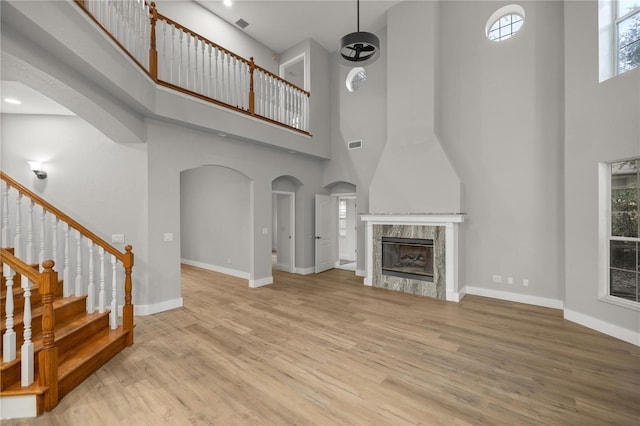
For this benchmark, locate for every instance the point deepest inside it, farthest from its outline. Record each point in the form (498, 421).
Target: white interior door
(325, 233)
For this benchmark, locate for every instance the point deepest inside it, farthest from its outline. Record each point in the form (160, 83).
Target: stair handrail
(48, 355)
(126, 258)
(61, 215)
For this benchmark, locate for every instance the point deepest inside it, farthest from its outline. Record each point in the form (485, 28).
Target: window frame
(606, 237)
(617, 20)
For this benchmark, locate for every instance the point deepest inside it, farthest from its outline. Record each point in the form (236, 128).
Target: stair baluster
(101, 295)
(17, 244)
(91, 291)
(26, 352)
(54, 238)
(5, 215)
(42, 238)
(66, 273)
(113, 315)
(9, 337)
(29, 246)
(78, 281)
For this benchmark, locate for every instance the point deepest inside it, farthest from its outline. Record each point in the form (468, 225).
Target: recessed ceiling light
(228, 3)
(12, 101)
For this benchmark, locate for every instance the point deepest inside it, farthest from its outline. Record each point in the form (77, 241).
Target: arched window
(505, 22)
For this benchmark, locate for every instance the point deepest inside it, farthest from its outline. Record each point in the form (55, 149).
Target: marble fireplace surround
(424, 225)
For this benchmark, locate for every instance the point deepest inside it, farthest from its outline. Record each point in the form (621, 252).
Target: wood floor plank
(326, 350)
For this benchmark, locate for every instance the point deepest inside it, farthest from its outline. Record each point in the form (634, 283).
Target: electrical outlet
(117, 238)
(229, 260)
(510, 280)
(525, 283)
(497, 278)
(168, 236)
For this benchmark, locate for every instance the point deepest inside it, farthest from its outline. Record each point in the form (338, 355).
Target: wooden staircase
(69, 344)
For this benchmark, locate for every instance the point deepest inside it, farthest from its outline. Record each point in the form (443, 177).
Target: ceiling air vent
(242, 23)
(355, 144)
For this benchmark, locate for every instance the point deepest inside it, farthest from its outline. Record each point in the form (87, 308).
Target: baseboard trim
(305, 271)
(609, 329)
(361, 273)
(157, 307)
(216, 268)
(513, 297)
(452, 296)
(283, 268)
(18, 406)
(260, 282)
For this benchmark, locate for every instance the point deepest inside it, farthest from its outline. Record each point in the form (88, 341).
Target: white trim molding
(260, 282)
(612, 330)
(216, 268)
(155, 308)
(305, 271)
(450, 221)
(514, 297)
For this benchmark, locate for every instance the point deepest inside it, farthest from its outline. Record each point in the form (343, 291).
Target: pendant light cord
(358, 15)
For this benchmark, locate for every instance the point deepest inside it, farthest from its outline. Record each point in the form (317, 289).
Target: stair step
(75, 366)
(67, 336)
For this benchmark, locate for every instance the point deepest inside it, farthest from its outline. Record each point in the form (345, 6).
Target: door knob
(317, 238)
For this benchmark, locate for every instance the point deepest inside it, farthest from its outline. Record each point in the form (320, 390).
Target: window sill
(620, 302)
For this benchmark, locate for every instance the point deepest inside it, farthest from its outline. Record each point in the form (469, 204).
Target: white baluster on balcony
(66, 272)
(180, 63)
(42, 239)
(101, 295)
(173, 55)
(210, 77)
(113, 315)
(17, 242)
(9, 337)
(203, 72)
(91, 288)
(223, 82)
(188, 67)
(194, 79)
(78, 288)
(5, 215)
(54, 239)
(216, 74)
(26, 351)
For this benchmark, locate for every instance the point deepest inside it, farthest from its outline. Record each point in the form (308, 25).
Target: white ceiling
(280, 25)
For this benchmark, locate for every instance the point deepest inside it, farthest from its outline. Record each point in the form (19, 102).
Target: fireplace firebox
(408, 258)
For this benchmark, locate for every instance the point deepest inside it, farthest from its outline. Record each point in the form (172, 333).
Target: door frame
(292, 225)
(349, 196)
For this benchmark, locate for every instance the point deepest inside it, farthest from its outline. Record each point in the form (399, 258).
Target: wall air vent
(242, 23)
(355, 144)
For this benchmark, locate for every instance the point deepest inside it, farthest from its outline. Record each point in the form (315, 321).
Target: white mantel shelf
(413, 218)
(450, 221)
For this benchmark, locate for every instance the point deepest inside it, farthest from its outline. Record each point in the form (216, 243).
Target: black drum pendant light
(359, 48)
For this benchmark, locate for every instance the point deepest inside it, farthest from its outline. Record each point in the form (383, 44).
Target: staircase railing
(85, 266)
(181, 59)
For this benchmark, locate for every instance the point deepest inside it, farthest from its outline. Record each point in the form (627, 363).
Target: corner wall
(602, 125)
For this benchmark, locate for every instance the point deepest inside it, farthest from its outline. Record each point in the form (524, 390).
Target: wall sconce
(36, 167)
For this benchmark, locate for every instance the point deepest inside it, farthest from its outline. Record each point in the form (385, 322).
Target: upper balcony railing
(179, 58)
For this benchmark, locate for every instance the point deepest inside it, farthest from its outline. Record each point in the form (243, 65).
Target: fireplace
(408, 258)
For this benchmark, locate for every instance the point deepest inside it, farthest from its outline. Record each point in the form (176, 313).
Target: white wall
(214, 218)
(99, 183)
(414, 174)
(602, 124)
(195, 17)
(501, 122)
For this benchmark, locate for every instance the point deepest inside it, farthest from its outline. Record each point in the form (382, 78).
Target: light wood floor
(325, 350)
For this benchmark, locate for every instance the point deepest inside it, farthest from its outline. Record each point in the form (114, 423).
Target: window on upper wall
(623, 245)
(619, 27)
(505, 22)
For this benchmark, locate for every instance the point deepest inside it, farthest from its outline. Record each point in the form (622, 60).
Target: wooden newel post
(153, 53)
(252, 96)
(127, 310)
(48, 356)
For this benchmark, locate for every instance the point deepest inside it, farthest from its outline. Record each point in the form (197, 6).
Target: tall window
(627, 29)
(624, 236)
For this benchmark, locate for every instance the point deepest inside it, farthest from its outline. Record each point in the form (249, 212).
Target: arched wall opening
(215, 221)
(283, 217)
